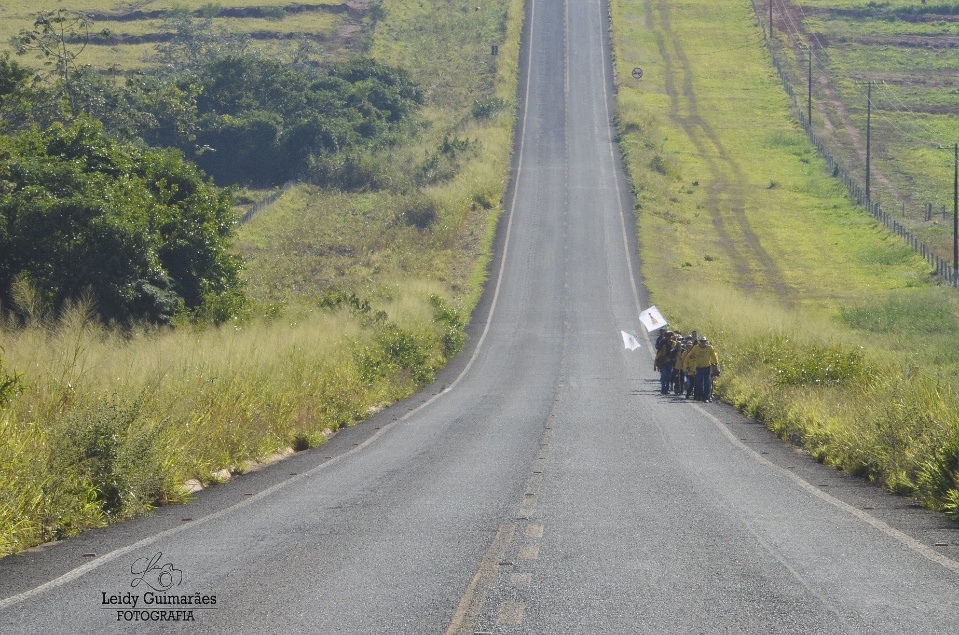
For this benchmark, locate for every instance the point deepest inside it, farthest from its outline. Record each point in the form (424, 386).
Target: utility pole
(868, 134)
(868, 84)
(955, 211)
(809, 90)
(770, 19)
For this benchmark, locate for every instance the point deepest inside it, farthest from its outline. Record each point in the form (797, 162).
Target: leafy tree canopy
(264, 122)
(138, 230)
(87, 210)
(241, 117)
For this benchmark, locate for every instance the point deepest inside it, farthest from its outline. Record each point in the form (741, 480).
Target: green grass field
(135, 28)
(831, 330)
(905, 51)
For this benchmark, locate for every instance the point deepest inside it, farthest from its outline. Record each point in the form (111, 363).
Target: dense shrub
(793, 364)
(452, 322)
(140, 231)
(445, 163)
(486, 108)
(107, 450)
(261, 122)
(418, 211)
(397, 353)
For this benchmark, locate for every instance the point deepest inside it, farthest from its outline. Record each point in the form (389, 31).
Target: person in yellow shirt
(679, 376)
(702, 357)
(689, 370)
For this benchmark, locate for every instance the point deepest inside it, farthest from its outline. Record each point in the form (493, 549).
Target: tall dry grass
(110, 424)
(354, 307)
(871, 406)
(828, 328)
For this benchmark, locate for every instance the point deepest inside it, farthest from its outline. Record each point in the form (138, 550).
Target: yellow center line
(529, 553)
(472, 602)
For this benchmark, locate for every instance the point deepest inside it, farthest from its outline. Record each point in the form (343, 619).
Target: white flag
(652, 319)
(630, 341)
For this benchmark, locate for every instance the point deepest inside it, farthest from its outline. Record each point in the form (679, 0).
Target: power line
(904, 116)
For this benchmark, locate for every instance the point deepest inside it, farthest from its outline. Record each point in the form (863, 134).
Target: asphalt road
(542, 485)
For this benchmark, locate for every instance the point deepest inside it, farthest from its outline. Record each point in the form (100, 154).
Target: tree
(22, 102)
(387, 91)
(58, 38)
(139, 230)
(266, 122)
(193, 42)
(12, 75)
(245, 149)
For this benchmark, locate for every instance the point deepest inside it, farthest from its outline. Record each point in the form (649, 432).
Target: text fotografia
(156, 607)
(160, 602)
(156, 616)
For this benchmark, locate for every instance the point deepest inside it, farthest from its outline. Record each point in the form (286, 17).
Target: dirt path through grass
(726, 203)
(832, 110)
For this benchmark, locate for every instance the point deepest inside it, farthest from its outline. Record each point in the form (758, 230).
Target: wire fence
(269, 200)
(942, 268)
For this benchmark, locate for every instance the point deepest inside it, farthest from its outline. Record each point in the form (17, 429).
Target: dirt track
(832, 113)
(910, 60)
(726, 202)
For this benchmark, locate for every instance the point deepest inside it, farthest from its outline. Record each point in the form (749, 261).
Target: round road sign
(637, 73)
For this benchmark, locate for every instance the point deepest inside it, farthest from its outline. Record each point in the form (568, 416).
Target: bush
(406, 351)
(486, 108)
(138, 230)
(334, 298)
(356, 170)
(266, 122)
(938, 479)
(792, 364)
(445, 163)
(396, 354)
(107, 450)
(419, 211)
(452, 322)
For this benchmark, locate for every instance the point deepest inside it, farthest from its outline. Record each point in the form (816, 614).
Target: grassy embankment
(829, 329)
(358, 299)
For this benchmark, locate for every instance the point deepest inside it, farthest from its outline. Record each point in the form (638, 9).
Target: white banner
(652, 319)
(630, 341)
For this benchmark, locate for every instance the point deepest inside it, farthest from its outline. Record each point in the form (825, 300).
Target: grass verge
(829, 329)
(359, 298)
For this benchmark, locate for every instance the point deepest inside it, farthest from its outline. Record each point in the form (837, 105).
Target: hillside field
(829, 329)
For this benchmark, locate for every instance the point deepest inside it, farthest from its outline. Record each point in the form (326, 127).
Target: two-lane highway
(543, 486)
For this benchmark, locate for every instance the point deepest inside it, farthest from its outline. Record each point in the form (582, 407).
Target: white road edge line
(906, 540)
(113, 555)
(611, 143)
(903, 538)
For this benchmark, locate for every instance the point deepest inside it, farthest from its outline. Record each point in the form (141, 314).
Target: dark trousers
(665, 376)
(704, 384)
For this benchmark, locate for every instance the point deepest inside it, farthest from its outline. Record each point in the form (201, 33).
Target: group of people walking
(686, 364)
